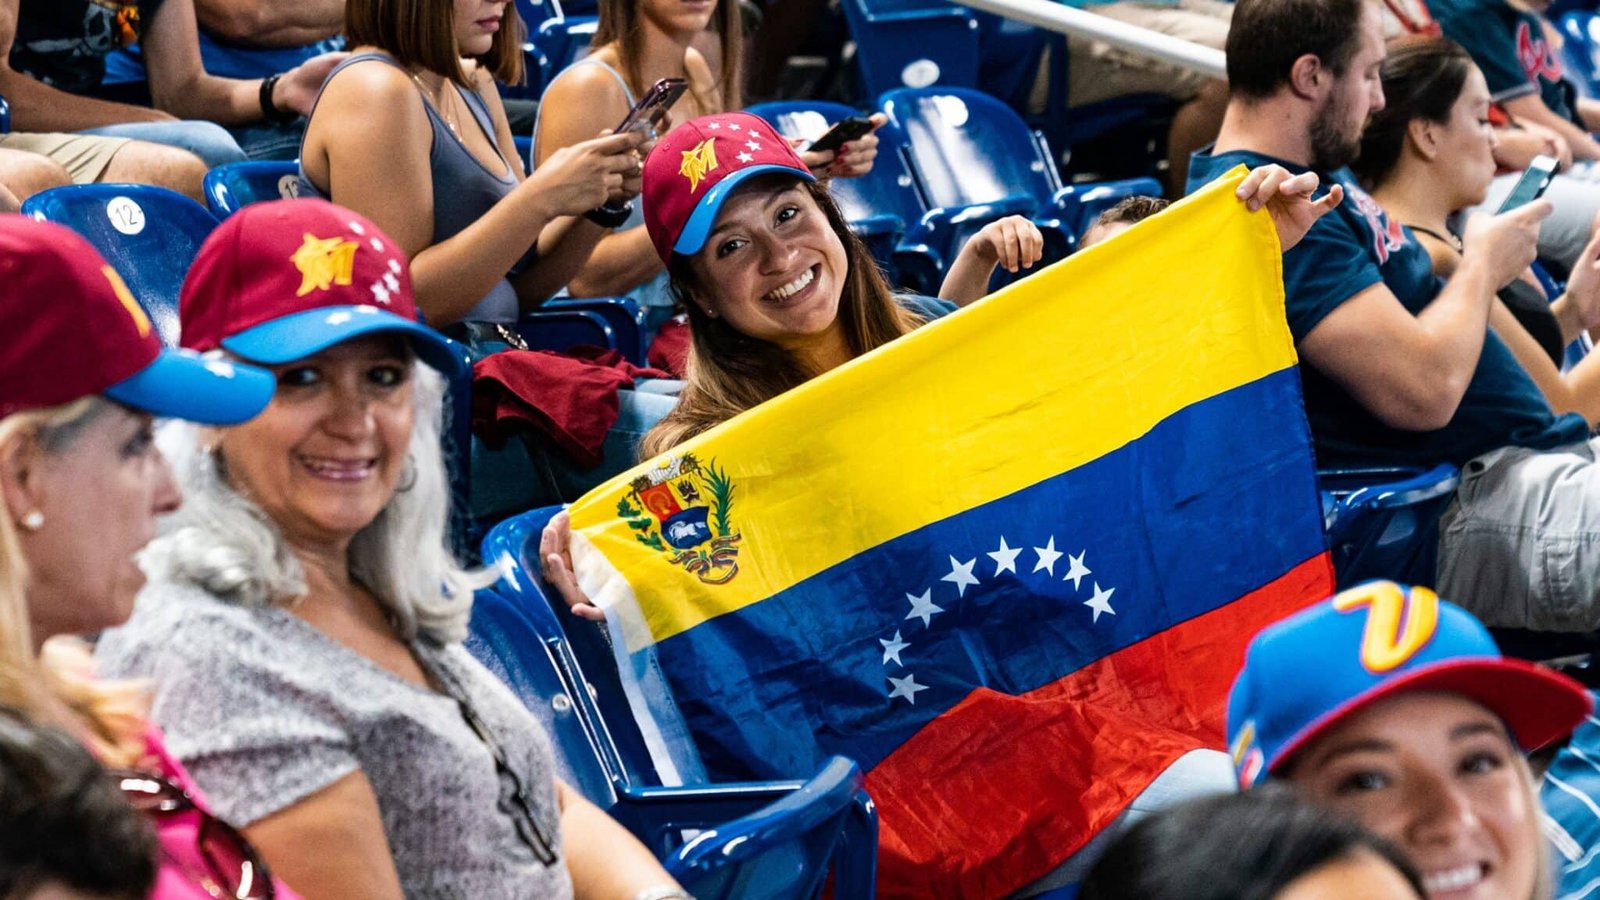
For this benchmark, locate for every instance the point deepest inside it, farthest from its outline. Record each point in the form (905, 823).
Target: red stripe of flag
(992, 795)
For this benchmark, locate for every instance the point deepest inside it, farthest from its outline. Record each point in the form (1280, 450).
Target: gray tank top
(463, 189)
(654, 292)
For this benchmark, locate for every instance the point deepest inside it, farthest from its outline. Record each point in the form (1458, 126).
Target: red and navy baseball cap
(691, 172)
(280, 281)
(70, 328)
(1309, 672)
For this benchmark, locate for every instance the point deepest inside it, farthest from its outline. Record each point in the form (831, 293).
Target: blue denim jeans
(265, 140)
(207, 140)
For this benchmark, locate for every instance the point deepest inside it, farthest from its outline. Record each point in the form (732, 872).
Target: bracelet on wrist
(270, 110)
(609, 216)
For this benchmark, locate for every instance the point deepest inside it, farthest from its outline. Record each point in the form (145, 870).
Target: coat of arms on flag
(1008, 563)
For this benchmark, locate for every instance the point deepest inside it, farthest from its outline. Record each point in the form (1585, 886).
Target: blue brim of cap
(181, 384)
(694, 233)
(302, 334)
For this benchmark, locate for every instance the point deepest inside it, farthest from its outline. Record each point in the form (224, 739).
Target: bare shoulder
(371, 84)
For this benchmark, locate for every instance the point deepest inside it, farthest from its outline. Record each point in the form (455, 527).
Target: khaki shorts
(1519, 545)
(84, 156)
(1098, 71)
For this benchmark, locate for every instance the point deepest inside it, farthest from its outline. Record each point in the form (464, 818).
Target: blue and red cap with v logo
(1312, 670)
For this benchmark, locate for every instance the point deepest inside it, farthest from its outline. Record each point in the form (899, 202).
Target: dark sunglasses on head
(235, 870)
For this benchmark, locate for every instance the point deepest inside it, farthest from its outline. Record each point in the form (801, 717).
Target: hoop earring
(408, 478)
(32, 520)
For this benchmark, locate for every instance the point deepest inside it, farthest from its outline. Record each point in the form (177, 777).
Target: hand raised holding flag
(555, 553)
(1287, 197)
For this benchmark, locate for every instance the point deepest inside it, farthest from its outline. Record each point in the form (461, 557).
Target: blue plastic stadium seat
(974, 161)
(5, 116)
(234, 185)
(1384, 523)
(1083, 203)
(1581, 50)
(765, 839)
(912, 43)
(623, 314)
(149, 235)
(562, 329)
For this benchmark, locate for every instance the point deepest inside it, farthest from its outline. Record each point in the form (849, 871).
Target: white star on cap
(752, 145)
(715, 125)
(337, 318)
(391, 281)
(219, 368)
(377, 245)
(745, 157)
(356, 227)
(367, 309)
(733, 126)
(380, 293)
(394, 266)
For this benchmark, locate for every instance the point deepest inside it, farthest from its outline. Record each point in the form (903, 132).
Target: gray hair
(223, 543)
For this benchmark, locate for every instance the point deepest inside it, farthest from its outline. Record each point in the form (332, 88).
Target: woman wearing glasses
(82, 376)
(304, 622)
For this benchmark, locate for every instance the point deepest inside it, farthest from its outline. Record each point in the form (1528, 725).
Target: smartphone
(1531, 186)
(653, 106)
(843, 132)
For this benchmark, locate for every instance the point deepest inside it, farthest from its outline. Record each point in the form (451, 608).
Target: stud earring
(32, 520)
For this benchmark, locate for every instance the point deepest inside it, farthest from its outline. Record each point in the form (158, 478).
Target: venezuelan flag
(1008, 563)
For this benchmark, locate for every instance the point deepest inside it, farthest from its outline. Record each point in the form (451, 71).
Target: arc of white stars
(1048, 554)
(1100, 602)
(892, 648)
(922, 606)
(961, 575)
(906, 687)
(1005, 559)
(1078, 569)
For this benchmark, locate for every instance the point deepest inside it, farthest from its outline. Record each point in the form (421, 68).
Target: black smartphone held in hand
(843, 132)
(650, 109)
(1531, 186)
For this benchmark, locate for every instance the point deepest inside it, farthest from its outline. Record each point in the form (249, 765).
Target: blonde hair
(111, 713)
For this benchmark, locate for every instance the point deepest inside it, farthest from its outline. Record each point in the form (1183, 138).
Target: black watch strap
(609, 216)
(269, 110)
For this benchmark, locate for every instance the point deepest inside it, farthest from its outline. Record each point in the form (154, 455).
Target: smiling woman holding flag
(779, 290)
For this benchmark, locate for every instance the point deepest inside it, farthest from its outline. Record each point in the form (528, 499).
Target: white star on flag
(752, 145)
(892, 648)
(1005, 559)
(923, 607)
(1048, 554)
(1078, 569)
(906, 687)
(961, 575)
(1100, 602)
(745, 157)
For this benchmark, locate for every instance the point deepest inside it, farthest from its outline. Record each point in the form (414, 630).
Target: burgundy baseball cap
(72, 329)
(691, 172)
(280, 281)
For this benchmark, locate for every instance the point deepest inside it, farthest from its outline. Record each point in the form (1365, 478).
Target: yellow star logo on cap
(697, 162)
(135, 311)
(323, 262)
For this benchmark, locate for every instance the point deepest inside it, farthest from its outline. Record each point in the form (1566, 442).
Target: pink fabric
(179, 834)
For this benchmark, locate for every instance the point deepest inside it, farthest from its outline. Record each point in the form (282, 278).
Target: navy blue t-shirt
(64, 43)
(1509, 45)
(1348, 251)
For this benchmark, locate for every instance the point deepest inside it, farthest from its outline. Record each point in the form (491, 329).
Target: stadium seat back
(1581, 50)
(1083, 203)
(150, 235)
(965, 147)
(1384, 523)
(5, 116)
(887, 191)
(912, 43)
(232, 186)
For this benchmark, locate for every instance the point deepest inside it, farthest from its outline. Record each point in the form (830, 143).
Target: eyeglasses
(235, 869)
(527, 826)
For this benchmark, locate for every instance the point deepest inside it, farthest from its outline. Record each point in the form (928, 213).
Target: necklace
(447, 116)
(1446, 238)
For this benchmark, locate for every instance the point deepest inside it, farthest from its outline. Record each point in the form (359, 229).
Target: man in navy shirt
(1398, 368)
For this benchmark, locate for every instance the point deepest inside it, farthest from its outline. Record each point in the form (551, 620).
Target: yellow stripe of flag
(1046, 375)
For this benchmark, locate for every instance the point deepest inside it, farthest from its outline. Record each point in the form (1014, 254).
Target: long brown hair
(421, 33)
(620, 23)
(729, 372)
